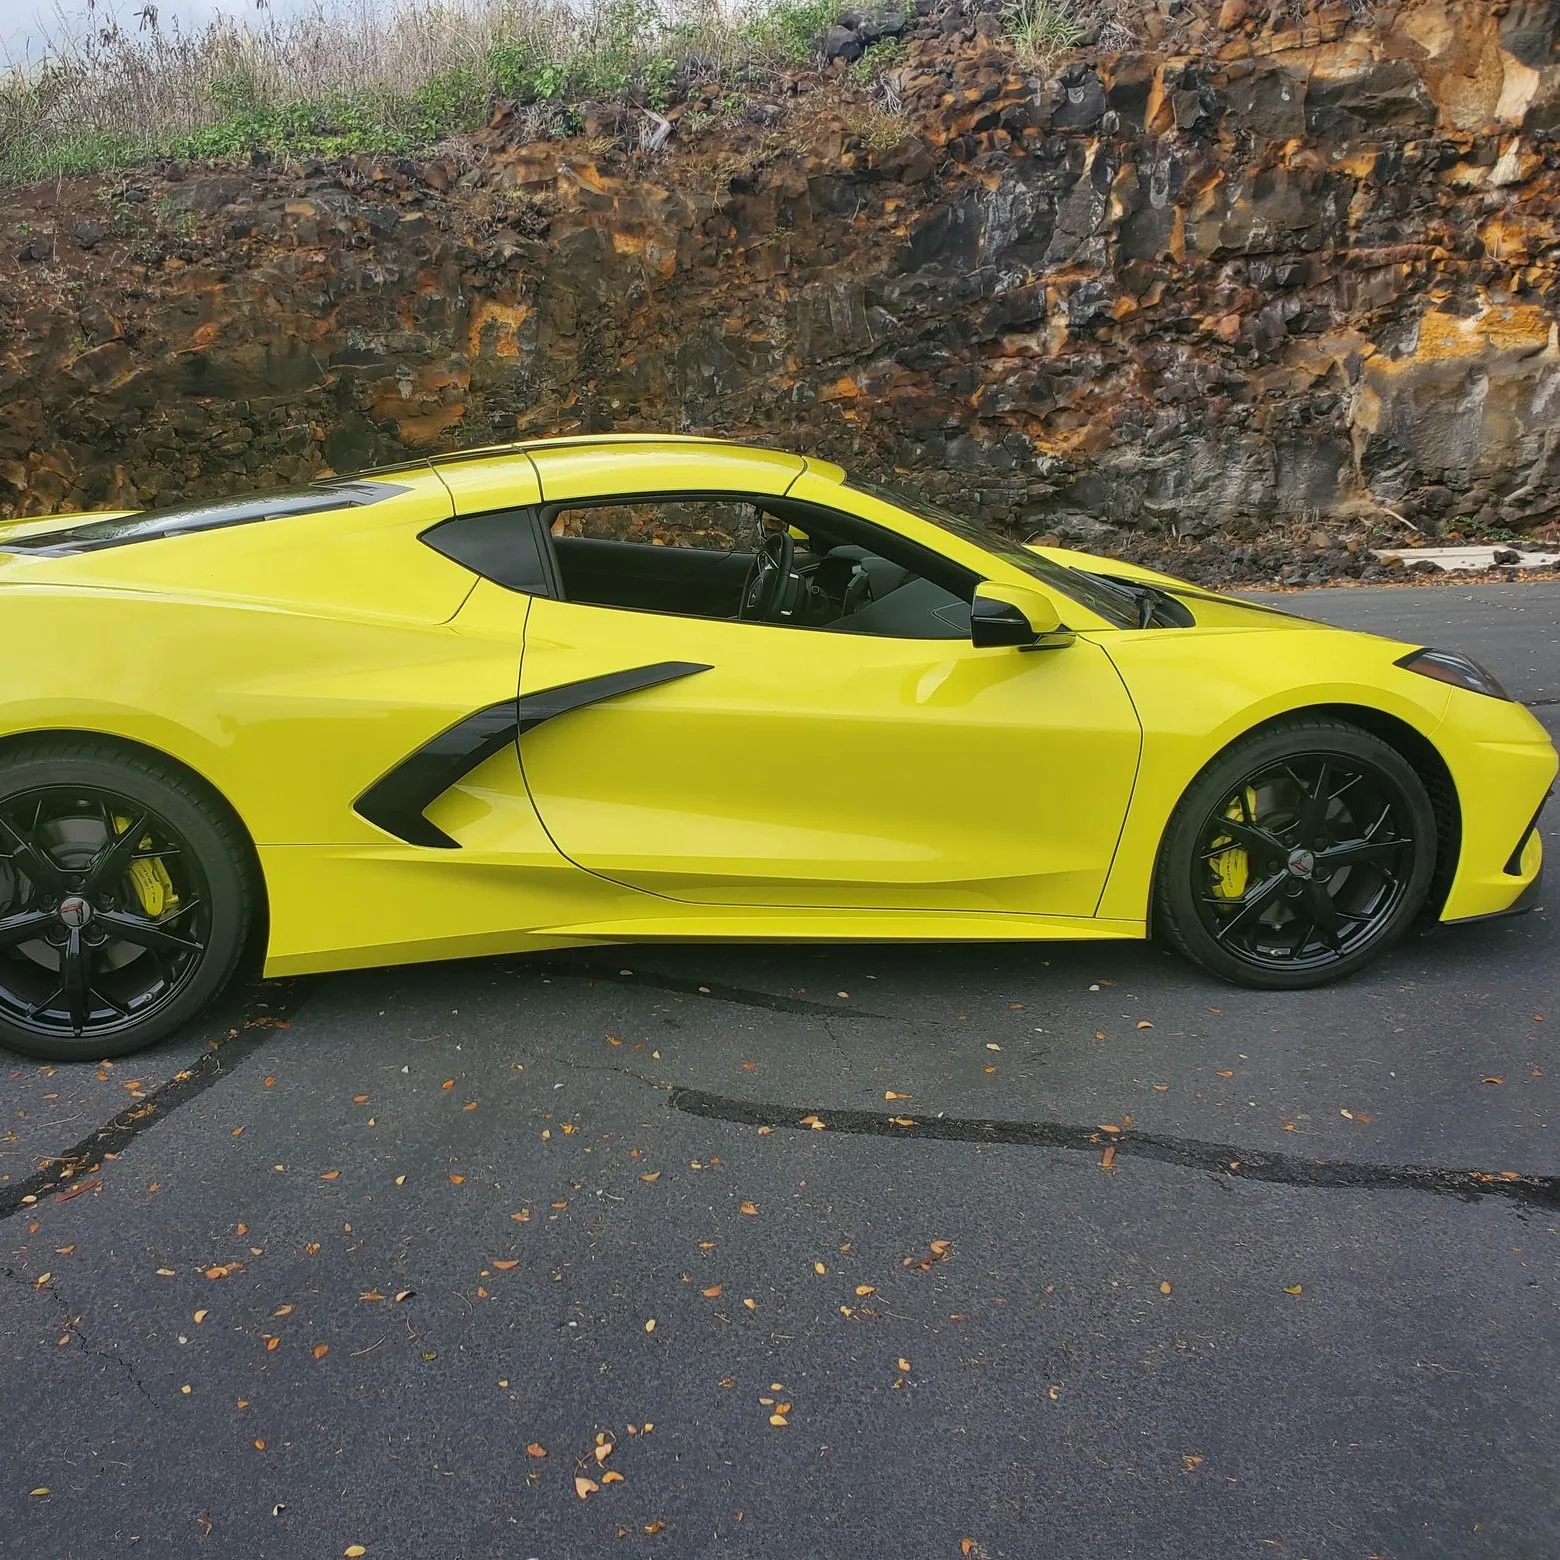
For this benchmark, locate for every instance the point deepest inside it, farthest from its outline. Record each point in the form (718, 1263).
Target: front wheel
(125, 900)
(1297, 856)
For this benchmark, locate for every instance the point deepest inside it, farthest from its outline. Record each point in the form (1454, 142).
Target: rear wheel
(125, 900)
(1297, 856)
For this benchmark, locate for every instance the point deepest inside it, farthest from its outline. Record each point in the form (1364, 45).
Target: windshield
(1115, 606)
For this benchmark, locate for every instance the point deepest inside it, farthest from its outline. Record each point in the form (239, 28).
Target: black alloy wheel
(1297, 856)
(123, 901)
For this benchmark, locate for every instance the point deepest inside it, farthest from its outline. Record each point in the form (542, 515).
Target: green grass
(412, 78)
(1041, 31)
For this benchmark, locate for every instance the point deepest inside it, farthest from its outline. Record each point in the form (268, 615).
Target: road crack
(263, 1011)
(1222, 1159)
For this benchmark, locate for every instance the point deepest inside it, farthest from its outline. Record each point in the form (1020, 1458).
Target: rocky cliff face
(1281, 265)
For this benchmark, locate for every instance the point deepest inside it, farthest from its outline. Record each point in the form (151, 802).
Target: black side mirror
(1003, 614)
(995, 623)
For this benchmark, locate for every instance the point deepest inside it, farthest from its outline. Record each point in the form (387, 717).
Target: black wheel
(1297, 856)
(125, 900)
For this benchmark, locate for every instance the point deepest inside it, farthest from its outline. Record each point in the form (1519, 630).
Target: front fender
(1197, 690)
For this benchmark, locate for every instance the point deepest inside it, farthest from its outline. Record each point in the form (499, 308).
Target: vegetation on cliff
(353, 78)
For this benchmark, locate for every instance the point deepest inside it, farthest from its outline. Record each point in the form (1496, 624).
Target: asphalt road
(400, 1231)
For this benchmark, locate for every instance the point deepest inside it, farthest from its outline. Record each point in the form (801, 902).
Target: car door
(720, 761)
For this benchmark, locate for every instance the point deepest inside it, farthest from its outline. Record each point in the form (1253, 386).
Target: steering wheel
(766, 580)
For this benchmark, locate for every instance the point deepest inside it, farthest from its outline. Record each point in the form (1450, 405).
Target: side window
(763, 560)
(721, 525)
(689, 556)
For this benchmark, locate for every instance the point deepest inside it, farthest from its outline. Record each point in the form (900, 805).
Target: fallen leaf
(1164, 1287)
(505, 1264)
(403, 1295)
(891, 1095)
(966, 1546)
(458, 1179)
(1492, 1080)
(584, 1486)
(650, 1325)
(41, 1280)
(752, 1305)
(400, 1180)
(819, 1269)
(353, 1551)
(750, 1209)
(523, 1217)
(285, 1310)
(651, 1177)
(1108, 1158)
(713, 1292)
(654, 1527)
(1226, 1072)
(778, 1419)
(1292, 1289)
(865, 1289)
(271, 1343)
(201, 1316)
(259, 1446)
(1143, 1023)
(904, 1365)
(815, 1122)
(331, 1175)
(612, 1476)
(165, 1272)
(371, 1294)
(43, 1489)
(1192, 1462)
(321, 1350)
(765, 1131)
(449, 1083)
(939, 1248)
(536, 1449)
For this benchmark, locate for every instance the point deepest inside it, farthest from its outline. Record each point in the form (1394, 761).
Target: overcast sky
(24, 24)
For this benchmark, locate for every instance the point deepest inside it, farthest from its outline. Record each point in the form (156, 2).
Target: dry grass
(354, 75)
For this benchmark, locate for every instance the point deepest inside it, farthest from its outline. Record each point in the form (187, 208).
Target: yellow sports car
(599, 689)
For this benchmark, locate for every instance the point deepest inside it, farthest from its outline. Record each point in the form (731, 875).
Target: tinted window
(205, 515)
(1112, 605)
(504, 547)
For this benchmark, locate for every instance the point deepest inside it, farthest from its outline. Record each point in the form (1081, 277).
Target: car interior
(757, 560)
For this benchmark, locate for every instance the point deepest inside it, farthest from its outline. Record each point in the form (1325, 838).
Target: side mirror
(1003, 614)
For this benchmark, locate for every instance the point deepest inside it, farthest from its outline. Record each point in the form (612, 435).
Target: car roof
(520, 448)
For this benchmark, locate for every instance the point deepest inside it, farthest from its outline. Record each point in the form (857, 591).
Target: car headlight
(1460, 671)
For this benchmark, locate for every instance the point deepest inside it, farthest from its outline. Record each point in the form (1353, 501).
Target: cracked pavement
(342, 1274)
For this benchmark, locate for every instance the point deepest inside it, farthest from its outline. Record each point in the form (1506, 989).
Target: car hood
(1211, 609)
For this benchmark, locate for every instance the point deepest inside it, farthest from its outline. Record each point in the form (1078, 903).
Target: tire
(127, 898)
(1309, 821)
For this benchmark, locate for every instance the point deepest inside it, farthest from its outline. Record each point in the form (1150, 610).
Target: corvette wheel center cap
(1302, 863)
(75, 911)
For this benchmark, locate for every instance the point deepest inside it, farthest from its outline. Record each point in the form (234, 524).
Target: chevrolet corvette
(589, 690)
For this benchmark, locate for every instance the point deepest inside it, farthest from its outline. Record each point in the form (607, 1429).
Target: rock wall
(1280, 265)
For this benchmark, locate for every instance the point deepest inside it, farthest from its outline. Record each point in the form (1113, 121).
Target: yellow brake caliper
(1232, 866)
(149, 877)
